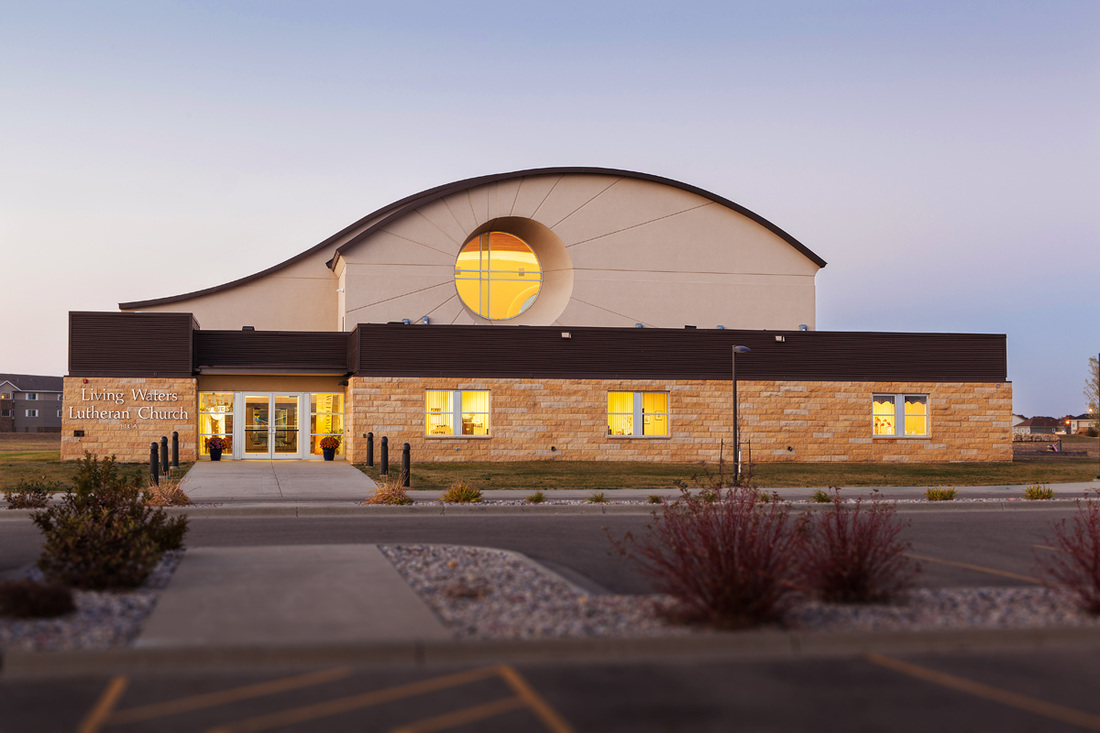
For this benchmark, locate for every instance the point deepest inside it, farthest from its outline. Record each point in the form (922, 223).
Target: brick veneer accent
(821, 421)
(128, 438)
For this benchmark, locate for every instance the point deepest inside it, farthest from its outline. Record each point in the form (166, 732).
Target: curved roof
(400, 208)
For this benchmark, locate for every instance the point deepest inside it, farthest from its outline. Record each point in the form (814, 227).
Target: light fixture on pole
(736, 438)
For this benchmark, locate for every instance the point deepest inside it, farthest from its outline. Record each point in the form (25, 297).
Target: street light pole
(736, 438)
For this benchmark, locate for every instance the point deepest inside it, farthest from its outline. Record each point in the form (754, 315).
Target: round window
(498, 275)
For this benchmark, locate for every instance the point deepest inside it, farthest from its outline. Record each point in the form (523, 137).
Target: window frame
(639, 414)
(29, 410)
(30, 396)
(457, 412)
(899, 399)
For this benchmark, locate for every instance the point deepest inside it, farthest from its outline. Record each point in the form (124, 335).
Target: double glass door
(271, 426)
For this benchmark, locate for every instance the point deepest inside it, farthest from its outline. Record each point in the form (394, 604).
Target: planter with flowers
(329, 444)
(216, 445)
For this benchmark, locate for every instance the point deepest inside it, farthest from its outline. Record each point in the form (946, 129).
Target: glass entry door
(271, 426)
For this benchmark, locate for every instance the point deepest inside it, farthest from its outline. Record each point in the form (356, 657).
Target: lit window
(326, 419)
(639, 414)
(497, 275)
(910, 412)
(215, 420)
(456, 412)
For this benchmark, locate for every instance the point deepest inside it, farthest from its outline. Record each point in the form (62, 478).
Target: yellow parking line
(546, 713)
(464, 716)
(223, 697)
(96, 717)
(1048, 547)
(1004, 697)
(979, 568)
(354, 702)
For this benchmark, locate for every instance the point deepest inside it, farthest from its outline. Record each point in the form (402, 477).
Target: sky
(942, 157)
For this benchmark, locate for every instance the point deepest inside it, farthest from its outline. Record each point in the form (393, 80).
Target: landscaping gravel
(490, 594)
(103, 619)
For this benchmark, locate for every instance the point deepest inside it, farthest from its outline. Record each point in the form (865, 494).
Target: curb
(342, 509)
(712, 646)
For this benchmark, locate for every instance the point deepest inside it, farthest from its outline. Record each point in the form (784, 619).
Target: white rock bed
(102, 619)
(488, 594)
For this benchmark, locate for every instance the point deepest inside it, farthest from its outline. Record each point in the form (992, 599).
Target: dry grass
(389, 491)
(168, 492)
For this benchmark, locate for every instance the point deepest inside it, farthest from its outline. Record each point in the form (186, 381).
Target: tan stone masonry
(121, 416)
(553, 418)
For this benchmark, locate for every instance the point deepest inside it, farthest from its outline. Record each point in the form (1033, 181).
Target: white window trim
(30, 396)
(899, 414)
(639, 414)
(456, 414)
(31, 413)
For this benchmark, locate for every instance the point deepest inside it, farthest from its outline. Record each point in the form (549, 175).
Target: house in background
(1080, 423)
(30, 403)
(1039, 426)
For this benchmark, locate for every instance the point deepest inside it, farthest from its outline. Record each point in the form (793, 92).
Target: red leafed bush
(728, 563)
(1076, 567)
(854, 554)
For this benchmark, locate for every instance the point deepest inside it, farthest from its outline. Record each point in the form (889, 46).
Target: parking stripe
(977, 689)
(546, 713)
(223, 697)
(464, 716)
(978, 568)
(96, 717)
(354, 702)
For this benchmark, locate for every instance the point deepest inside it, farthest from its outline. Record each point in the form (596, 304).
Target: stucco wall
(117, 420)
(634, 251)
(821, 421)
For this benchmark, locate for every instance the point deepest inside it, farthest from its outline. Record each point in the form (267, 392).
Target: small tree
(1092, 391)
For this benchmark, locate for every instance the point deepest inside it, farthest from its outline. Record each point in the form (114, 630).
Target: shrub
(461, 492)
(389, 491)
(1076, 565)
(727, 563)
(1038, 492)
(102, 535)
(536, 498)
(167, 493)
(597, 497)
(33, 494)
(654, 499)
(941, 494)
(820, 497)
(31, 599)
(709, 495)
(765, 497)
(854, 554)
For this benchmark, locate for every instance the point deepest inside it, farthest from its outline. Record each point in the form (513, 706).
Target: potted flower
(329, 444)
(216, 445)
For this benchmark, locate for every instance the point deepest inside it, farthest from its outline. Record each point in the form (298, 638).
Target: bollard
(175, 449)
(405, 470)
(385, 469)
(370, 449)
(154, 473)
(164, 454)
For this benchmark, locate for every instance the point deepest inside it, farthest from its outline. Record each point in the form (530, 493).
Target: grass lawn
(37, 456)
(606, 475)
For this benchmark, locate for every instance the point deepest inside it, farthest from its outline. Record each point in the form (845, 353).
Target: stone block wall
(121, 416)
(534, 419)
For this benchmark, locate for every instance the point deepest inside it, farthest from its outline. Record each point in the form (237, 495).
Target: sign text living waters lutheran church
(127, 411)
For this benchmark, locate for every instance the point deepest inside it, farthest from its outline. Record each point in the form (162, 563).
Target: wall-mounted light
(566, 335)
(780, 339)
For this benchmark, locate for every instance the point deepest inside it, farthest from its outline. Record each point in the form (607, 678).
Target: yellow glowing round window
(497, 275)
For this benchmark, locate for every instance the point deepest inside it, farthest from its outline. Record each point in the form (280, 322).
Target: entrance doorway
(271, 426)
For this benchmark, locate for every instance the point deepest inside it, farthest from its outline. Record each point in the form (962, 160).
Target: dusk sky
(943, 157)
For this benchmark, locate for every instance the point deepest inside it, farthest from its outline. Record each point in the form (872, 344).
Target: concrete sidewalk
(264, 481)
(290, 596)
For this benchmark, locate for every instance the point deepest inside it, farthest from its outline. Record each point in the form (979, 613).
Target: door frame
(239, 425)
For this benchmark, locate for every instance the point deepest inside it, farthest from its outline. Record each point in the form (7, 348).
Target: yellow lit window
(497, 275)
(637, 414)
(456, 412)
(910, 412)
(215, 419)
(326, 419)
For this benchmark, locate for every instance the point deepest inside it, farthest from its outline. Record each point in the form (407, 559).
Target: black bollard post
(154, 461)
(385, 470)
(406, 472)
(370, 449)
(175, 449)
(164, 454)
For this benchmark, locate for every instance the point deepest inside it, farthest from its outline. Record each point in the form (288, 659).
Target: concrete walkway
(263, 481)
(288, 597)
